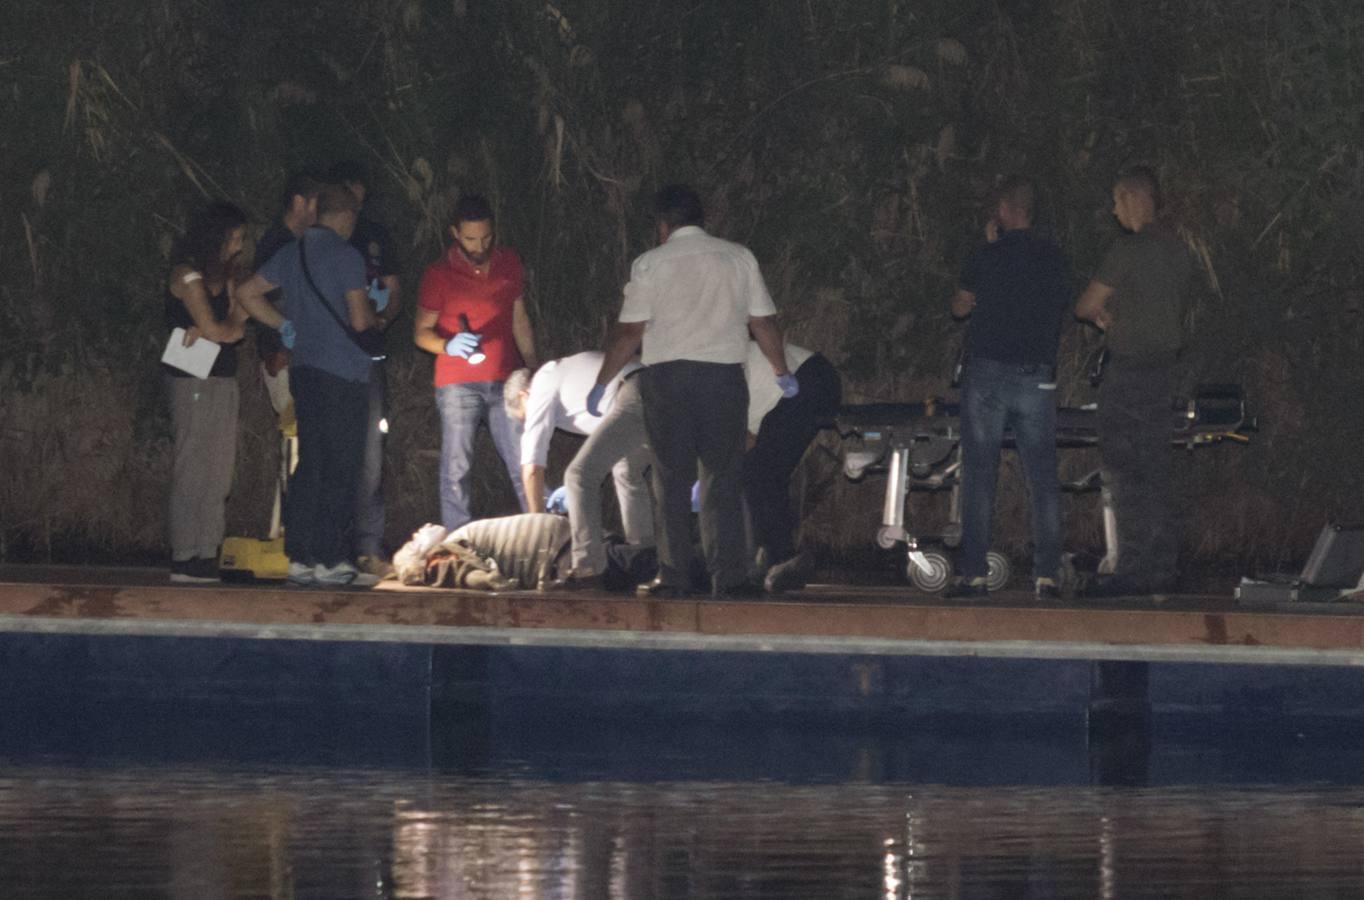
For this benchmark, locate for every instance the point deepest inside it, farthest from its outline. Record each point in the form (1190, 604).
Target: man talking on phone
(1015, 290)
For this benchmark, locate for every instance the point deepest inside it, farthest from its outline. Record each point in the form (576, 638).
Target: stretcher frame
(918, 447)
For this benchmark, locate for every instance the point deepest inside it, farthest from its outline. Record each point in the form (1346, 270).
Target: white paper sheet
(197, 360)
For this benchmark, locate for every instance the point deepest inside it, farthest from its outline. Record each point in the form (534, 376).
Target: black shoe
(1047, 590)
(659, 590)
(744, 590)
(1106, 586)
(582, 583)
(1163, 585)
(786, 576)
(195, 571)
(964, 587)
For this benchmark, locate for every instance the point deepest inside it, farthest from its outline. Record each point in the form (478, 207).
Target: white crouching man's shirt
(558, 399)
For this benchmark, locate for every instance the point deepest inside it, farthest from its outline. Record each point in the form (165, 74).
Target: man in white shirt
(690, 304)
(616, 443)
(779, 431)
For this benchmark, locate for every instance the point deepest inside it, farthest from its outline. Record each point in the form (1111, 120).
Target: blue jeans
(996, 396)
(462, 407)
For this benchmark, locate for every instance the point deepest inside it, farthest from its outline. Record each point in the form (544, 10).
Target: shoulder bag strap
(303, 259)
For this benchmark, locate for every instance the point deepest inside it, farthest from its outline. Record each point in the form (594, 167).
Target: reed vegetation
(848, 142)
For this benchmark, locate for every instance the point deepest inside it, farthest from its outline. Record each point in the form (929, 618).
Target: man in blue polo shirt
(1015, 290)
(329, 376)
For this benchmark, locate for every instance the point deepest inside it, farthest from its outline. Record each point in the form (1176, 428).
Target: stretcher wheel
(999, 570)
(938, 574)
(887, 536)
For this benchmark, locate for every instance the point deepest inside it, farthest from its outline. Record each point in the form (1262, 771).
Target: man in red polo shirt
(472, 315)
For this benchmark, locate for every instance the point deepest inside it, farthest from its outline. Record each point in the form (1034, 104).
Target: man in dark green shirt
(1138, 298)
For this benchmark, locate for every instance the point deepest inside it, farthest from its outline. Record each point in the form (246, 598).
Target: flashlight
(478, 355)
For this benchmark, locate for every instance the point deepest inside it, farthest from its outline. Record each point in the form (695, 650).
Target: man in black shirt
(381, 275)
(1015, 290)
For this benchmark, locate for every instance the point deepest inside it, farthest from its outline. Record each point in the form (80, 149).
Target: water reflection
(188, 832)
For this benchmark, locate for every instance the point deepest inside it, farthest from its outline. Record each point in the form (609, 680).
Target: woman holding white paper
(201, 306)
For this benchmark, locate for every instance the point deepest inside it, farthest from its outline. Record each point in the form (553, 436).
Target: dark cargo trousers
(1135, 421)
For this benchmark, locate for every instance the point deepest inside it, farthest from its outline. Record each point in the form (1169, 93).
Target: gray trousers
(204, 418)
(696, 415)
(619, 446)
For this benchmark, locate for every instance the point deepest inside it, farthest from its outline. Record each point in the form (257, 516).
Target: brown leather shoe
(582, 583)
(744, 590)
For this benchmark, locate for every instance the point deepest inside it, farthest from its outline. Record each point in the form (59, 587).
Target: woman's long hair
(201, 246)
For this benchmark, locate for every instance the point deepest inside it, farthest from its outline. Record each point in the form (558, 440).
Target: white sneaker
(343, 574)
(301, 575)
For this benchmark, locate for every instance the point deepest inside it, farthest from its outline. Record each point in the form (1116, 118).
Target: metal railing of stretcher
(918, 447)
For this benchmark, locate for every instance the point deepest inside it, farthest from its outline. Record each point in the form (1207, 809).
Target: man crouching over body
(616, 443)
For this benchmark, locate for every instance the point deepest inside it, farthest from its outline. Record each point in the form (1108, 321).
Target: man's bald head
(1143, 180)
(1137, 198)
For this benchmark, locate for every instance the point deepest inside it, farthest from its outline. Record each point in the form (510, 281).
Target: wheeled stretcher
(918, 447)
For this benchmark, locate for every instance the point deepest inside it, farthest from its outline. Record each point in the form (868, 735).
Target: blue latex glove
(594, 399)
(288, 334)
(379, 294)
(558, 501)
(696, 496)
(463, 344)
(789, 385)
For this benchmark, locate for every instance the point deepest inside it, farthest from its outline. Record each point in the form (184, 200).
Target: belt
(1046, 369)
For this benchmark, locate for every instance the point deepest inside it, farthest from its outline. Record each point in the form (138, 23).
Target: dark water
(203, 833)
(202, 770)
(502, 827)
